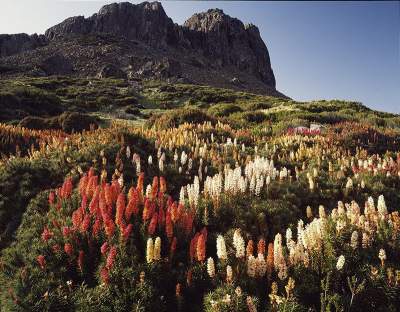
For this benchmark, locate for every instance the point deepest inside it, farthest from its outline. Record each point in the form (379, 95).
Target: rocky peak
(230, 42)
(146, 21)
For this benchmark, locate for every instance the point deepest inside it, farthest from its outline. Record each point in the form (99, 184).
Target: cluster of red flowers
(197, 249)
(105, 208)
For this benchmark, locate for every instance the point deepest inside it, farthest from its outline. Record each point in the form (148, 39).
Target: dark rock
(17, 43)
(56, 65)
(111, 71)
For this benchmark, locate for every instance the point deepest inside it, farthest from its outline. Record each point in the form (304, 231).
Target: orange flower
(261, 246)
(270, 260)
(201, 248)
(250, 248)
(153, 224)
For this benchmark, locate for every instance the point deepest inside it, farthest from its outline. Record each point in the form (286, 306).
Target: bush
(223, 110)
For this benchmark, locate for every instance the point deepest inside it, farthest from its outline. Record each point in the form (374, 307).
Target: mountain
(139, 42)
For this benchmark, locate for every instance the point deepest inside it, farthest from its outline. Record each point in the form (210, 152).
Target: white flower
(221, 248)
(150, 251)
(157, 249)
(210, 267)
(340, 262)
(382, 254)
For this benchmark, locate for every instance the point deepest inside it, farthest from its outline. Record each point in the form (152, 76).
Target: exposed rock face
(146, 22)
(13, 44)
(229, 42)
(142, 41)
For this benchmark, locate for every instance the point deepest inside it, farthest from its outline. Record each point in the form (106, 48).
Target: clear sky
(318, 50)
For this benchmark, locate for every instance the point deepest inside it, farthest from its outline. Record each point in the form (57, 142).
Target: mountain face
(142, 42)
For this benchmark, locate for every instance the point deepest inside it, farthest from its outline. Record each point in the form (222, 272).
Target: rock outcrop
(17, 43)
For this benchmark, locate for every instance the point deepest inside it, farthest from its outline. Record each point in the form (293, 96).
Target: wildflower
(249, 248)
(251, 266)
(127, 231)
(42, 261)
(157, 249)
(354, 240)
(309, 213)
(382, 209)
(382, 256)
(105, 275)
(289, 287)
(178, 289)
(150, 251)
(120, 209)
(270, 260)
(229, 274)
(210, 267)
(340, 262)
(104, 248)
(238, 291)
(221, 248)
(261, 246)
(68, 249)
(201, 248)
(250, 304)
(238, 242)
(261, 265)
(111, 257)
(46, 234)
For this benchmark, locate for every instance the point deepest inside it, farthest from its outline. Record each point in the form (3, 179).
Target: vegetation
(196, 199)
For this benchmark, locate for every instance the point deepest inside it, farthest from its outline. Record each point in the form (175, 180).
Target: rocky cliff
(143, 42)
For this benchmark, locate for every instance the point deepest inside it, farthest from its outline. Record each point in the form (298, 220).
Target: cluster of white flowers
(221, 248)
(153, 250)
(238, 243)
(193, 192)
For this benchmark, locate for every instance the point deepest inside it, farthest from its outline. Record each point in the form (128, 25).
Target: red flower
(96, 227)
(42, 262)
(109, 227)
(66, 231)
(46, 235)
(111, 257)
(104, 248)
(168, 226)
(105, 275)
(127, 231)
(51, 198)
(85, 223)
(153, 224)
(120, 209)
(68, 249)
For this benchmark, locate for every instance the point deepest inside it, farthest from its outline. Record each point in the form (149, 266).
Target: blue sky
(318, 50)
